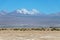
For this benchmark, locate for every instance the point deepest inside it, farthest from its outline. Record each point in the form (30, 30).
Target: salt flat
(29, 35)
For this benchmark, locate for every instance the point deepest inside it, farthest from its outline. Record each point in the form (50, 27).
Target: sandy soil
(29, 35)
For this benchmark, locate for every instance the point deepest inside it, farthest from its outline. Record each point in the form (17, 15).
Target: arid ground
(29, 35)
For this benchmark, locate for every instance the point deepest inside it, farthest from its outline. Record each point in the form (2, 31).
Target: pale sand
(29, 35)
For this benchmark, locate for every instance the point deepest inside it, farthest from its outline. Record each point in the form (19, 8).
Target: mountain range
(29, 17)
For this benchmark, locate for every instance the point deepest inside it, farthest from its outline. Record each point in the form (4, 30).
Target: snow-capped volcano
(24, 12)
(20, 12)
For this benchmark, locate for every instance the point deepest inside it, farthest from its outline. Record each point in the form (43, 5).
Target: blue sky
(45, 6)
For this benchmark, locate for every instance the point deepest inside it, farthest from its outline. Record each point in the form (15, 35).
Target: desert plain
(29, 35)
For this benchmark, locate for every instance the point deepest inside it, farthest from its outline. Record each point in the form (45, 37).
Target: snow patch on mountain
(25, 11)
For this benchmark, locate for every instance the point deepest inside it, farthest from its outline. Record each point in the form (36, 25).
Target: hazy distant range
(31, 18)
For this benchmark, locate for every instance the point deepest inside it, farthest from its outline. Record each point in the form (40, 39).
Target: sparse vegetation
(33, 29)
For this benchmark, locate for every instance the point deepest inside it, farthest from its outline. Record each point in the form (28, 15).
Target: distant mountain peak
(3, 12)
